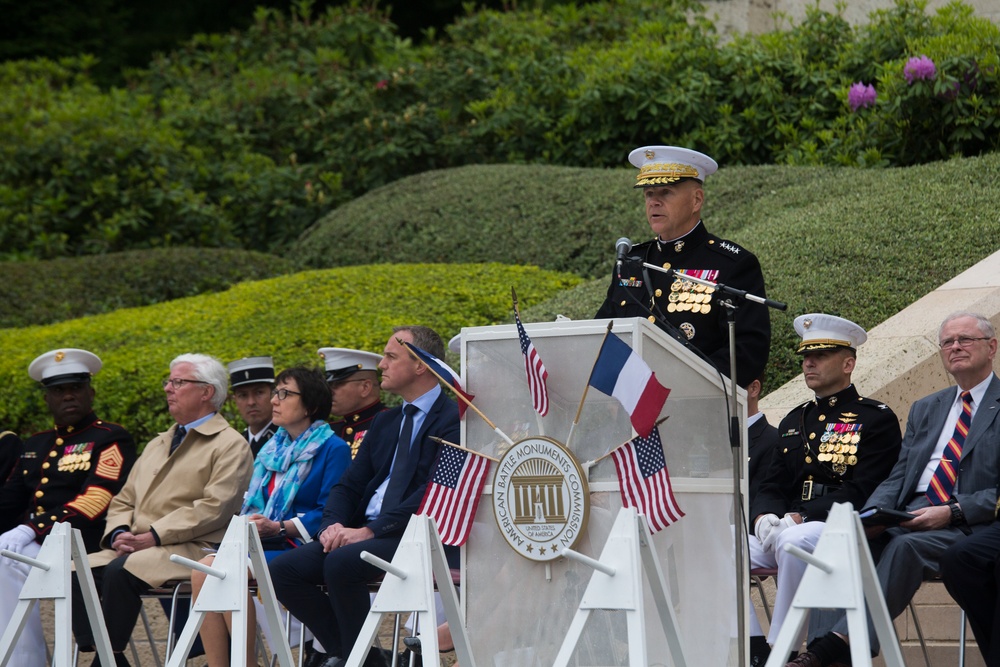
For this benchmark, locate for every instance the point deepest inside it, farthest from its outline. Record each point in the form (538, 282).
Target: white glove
(17, 538)
(764, 525)
(772, 537)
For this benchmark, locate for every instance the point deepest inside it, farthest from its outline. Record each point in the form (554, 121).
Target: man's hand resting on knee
(337, 535)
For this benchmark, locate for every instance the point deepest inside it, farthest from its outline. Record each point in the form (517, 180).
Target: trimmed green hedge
(288, 317)
(559, 218)
(54, 290)
(245, 139)
(861, 244)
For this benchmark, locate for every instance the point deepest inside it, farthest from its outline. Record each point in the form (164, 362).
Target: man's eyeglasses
(282, 394)
(177, 383)
(963, 341)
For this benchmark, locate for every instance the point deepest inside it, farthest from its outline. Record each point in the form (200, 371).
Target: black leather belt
(811, 489)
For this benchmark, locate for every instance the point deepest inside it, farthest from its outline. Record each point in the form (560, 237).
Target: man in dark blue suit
(370, 507)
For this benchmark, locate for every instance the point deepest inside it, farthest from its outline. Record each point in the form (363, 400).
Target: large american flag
(535, 370)
(454, 491)
(645, 482)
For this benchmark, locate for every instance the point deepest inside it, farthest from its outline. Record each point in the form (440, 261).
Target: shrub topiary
(244, 139)
(288, 317)
(861, 244)
(51, 291)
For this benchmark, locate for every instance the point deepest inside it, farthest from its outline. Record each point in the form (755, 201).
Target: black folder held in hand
(883, 516)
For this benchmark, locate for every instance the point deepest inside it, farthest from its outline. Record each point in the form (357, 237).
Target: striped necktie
(943, 482)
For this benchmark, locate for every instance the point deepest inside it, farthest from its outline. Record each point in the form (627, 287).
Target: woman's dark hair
(313, 390)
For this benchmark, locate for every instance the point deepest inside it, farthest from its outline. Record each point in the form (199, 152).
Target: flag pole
(611, 451)
(442, 441)
(517, 315)
(576, 420)
(458, 394)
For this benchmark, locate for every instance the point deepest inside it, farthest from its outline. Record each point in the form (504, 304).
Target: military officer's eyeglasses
(963, 341)
(282, 394)
(177, 383)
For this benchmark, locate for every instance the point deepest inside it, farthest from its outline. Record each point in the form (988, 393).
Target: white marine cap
(64, 366)
(341, 362)
(251, 370)
(827, 332)
(663, 165)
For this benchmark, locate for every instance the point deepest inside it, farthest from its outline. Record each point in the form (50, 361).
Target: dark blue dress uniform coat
(353, 427)
(688, 307)
(834, 450)
(69, 473)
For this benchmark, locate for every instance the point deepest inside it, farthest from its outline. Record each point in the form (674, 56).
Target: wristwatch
(957, 515)
(281, 529)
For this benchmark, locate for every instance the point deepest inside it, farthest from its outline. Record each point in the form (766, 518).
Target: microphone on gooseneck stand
(622, 246)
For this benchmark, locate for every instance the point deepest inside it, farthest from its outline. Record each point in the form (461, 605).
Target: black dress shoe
(375, 658)
(412, 643)
(315, 658)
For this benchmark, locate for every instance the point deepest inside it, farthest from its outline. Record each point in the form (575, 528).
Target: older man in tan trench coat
(179, 499)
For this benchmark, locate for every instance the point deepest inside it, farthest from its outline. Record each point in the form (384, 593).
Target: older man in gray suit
(947, 475)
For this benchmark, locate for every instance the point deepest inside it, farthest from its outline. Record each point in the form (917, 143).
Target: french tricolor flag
(622, 373)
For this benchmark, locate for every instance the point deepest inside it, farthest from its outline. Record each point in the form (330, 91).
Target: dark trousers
(971, 573)
(337, 616)
(120, 592)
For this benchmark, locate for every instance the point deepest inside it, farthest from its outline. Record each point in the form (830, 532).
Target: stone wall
(737, 16)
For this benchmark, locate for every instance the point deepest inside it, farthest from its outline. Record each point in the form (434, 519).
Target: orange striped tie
(943, 482)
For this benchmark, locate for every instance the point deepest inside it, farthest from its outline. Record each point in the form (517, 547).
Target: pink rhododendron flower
(861, 96)
(919, 68)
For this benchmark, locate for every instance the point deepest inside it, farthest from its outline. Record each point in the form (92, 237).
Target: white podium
(518, 611)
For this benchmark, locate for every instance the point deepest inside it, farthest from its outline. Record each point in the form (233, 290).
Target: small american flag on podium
(535, 370)
(645, 482)
(454, 491)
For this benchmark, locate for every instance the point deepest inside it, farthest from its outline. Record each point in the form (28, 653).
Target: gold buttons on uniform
(52, 455)
(39, 494)
(812, 436)
(666, 265)
(41, 525)
(59, 441)
(45, 480)
(623, 302)
(658, 292)
(821, 418)
(809, 459)
(45, 466)
(651, 318)
(54, 518)
(349, 431)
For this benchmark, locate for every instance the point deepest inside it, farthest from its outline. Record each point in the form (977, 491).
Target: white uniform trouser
(30, 648)
(790, 571)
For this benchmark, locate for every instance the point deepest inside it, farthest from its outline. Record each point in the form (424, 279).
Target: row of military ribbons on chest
(839, 445)
(686, 295)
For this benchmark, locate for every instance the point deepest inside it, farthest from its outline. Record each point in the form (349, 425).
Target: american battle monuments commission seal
(540, 498)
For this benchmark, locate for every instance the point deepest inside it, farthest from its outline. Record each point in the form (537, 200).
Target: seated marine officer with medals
(672, 181)
(835, 448)
(66, 474)
(353, 379)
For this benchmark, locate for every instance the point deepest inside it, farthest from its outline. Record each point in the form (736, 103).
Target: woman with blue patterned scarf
(292, 476)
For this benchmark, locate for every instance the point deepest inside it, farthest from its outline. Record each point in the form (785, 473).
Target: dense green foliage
(863, 245)
(559, 218)
(289, 317)
(244, 139)
(44, 292)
